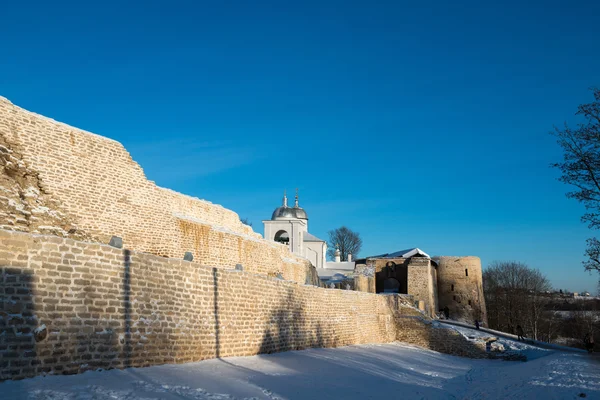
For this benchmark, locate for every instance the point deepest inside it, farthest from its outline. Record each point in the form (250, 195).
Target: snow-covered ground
(387, 371)
(503, 343)
(594, 315)
(508, 339)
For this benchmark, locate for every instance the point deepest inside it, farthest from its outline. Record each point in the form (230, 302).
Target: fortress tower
(460, 288)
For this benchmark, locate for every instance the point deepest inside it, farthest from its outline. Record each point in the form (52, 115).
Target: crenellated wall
(88, 186)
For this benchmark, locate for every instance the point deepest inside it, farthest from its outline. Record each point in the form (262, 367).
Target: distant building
(450, 283)
(289, 226)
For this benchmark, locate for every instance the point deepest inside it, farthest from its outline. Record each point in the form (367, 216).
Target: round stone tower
(460, 288)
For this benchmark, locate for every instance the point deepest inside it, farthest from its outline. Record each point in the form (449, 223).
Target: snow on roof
(330, 274)
(344, 265)
(311, 238)
(415, 251)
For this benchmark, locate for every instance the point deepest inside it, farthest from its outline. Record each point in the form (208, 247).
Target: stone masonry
(461, 288)
(446, 281)
(87, 186)
(70, 306)
(416, 274)
(70, 303)
(93, 306)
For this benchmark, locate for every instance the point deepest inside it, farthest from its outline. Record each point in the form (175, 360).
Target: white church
(289, 225)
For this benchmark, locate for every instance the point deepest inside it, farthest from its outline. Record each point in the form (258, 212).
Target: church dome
(300, 213)
(285, 212)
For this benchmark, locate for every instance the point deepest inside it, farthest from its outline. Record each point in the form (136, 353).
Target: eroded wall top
(102, 191)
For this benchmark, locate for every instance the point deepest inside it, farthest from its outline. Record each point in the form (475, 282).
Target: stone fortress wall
(64, 181)
(460, 288)
(416, 275)
(70, 303)
(422, 283)
(455, 282)
(70, 306)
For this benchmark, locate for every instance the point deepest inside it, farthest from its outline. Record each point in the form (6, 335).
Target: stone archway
(392, 276)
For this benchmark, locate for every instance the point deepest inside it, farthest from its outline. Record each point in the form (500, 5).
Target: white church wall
(293, 224)
(314, 252)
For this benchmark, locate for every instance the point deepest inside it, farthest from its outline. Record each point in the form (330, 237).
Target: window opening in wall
(466, 272)
(391, 266)
(469, 302)
(282, 237)
(452, 288)
(454, 297)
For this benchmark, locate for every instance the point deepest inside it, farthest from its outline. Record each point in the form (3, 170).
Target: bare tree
(581, 168)
(515, 294)
(344, 239)
(582, 320)
(551, 324)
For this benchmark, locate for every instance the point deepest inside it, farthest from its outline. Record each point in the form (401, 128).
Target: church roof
(415, 251)
(285, 212)
(311, 238)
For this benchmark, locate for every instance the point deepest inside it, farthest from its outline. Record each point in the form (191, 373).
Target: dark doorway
(392, 278)
(391, 285)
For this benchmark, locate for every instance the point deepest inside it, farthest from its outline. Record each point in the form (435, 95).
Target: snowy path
(356, 372)
(504, 335)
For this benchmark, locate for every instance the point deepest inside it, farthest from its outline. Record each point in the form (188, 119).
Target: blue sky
(414, 124)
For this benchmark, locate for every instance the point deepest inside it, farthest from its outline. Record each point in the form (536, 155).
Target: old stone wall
(416, 276)
(87, 186)
(390, 268)
(415, 327)
(24, 203)
(94, 306)
(420, 283)
(429, 334)
(364, 283)
(433, 284)
(460, 288)
(69, 306)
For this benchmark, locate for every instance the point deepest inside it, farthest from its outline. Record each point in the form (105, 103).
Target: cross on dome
(286, 212)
